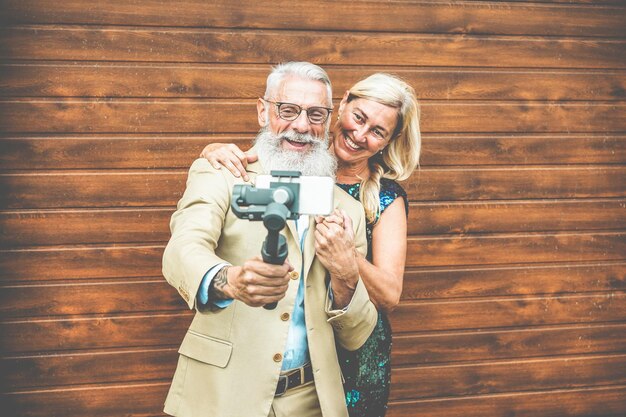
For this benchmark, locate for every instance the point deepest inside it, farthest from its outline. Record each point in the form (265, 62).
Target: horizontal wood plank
(524, 279)
(80, 262)
(57, 297)
(106, 332)
(163, 188)
(89, 297)
(393, 16)
(107, 366)
(143, 151)
(507, 376)
(60, 369)
(110, 79)
(143, 400)
(74, 43)
(505, 183)
(131, 400)
(141, 261)
(512, 248)
(219, 116)
(508, 312)
(73, 227)
(24, 228)
(157, 329)
(110, 151)
(475, 345)
(525, 149)
(515, 216)
(597, 402)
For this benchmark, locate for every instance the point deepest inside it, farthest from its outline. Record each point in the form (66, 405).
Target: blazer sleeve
(196, 228)
(354, 324)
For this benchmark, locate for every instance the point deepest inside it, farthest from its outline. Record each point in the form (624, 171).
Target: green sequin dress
(367, 371)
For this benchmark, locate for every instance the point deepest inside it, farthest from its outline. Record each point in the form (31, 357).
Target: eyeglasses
(290, 112)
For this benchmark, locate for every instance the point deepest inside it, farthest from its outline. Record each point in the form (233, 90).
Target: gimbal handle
(274, 250)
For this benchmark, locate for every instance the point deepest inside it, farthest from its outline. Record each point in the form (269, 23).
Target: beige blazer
(230, 358)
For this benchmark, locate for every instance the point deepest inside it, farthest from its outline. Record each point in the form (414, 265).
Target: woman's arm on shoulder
(383, 277)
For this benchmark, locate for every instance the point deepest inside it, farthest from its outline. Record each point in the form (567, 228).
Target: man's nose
(301, 124)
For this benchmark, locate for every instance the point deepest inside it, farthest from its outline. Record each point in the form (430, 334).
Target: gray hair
(303, 70)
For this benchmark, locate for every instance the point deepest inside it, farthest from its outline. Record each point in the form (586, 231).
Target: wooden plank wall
(514, 298)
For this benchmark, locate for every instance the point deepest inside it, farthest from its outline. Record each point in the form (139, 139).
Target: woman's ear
(262, 113)
(344, 101)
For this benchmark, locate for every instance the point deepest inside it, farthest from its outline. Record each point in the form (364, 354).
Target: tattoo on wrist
(219, 282)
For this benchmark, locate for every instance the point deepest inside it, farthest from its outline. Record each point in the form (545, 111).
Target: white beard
(317, 160)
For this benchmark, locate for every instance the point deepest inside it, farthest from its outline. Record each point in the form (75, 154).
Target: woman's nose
(360, 134)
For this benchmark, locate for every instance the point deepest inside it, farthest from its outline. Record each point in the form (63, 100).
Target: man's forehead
(303, 92)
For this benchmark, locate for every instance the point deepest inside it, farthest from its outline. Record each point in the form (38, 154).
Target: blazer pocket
(206, 349)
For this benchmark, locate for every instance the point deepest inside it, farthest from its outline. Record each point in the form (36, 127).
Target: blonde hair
(400, 157)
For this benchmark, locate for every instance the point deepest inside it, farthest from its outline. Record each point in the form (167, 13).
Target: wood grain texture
(110, 79)
(501, 249)
(508, 312)
(23, 228)
(88, 297)
(163, 188)
(143, 399)
(222, 116)
(132, 295)
(51, 151)
(514, 300)
(80, 262)
(101, 332)
(97, 151)
(466, 17)
(507, 376)
(515, 216)
(70, 43)
(72, 227)
(505, 183)
(156, 329)
(596, 402)
(40, 370)
(106, 366)
(469, 346)
(523, 279)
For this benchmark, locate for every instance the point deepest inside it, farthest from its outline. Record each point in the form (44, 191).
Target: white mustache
(298, 137)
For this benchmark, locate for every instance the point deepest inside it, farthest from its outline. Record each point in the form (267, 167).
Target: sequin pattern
(367, 371)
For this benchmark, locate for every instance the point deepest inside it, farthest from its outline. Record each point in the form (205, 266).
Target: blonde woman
(376, 139)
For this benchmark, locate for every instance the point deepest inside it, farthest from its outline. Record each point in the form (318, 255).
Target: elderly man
(239, 360)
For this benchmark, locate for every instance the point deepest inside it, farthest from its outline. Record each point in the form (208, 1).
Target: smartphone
(315, 195)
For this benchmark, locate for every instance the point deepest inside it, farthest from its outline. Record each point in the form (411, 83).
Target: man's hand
(256, 283)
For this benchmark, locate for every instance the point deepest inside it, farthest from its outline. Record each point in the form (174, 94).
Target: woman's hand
(229, 156)
(334, 246)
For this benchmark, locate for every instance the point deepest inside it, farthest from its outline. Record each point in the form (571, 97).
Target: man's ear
(262, 113)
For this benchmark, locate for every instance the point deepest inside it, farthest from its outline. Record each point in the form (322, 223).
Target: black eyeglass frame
(278, 104)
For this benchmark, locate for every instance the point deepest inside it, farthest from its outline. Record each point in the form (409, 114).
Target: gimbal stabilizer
(274, 206)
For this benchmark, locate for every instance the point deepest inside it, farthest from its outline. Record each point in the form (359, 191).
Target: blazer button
(284, 316)
(278, 357)
(294, 275)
